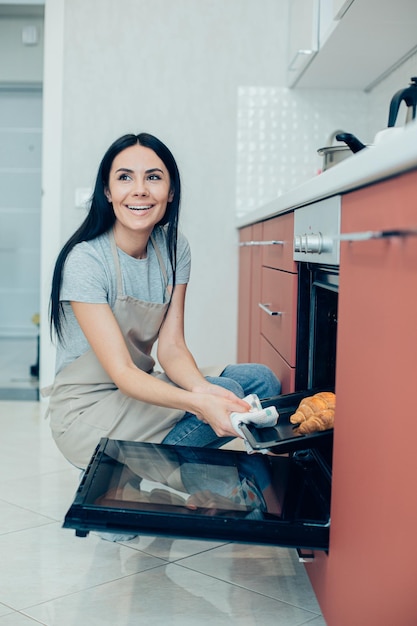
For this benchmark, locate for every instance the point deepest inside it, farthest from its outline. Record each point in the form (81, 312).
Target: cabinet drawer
(279, 294)
(279, 256)
(281, 369)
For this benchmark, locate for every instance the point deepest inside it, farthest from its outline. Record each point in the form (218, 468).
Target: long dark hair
(101, 217)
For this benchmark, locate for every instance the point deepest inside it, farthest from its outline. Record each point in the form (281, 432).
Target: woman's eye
(124, 177)
(154, 177)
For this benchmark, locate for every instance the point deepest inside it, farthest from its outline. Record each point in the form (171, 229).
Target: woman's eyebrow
(154, 169)
(130, 171)
(124, 169)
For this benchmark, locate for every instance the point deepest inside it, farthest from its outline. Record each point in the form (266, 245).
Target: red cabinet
(280, 255)
(249, 295)
(268, 297)
(369, 576)
(279, 296)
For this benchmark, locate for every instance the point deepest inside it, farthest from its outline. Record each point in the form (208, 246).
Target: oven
(317, 249)
(281, 498)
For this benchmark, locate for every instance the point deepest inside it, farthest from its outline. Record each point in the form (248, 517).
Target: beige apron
(85, 404)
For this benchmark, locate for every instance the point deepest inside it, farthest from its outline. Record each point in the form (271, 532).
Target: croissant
(315, 413)
(329, 398)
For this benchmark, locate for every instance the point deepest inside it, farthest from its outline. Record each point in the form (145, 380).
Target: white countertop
(392, 156)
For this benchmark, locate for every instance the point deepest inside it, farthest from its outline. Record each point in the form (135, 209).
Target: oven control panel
(317, 232)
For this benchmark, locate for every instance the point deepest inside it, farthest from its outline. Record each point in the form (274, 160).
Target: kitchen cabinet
(338, 7)
(360, 42)
(245, 281)
(268, 277)
(303, 36)
(368, 577)
(249, 294)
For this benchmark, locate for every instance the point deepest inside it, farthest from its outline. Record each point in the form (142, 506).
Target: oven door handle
(265, 307)
(376, 234)
(274, 242)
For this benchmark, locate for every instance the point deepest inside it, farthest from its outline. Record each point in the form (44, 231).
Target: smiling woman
(139, 189)
(119, 285)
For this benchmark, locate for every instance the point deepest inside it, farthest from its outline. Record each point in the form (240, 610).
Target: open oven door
(281, 499)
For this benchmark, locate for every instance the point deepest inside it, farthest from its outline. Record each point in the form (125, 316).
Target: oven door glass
(204, 493)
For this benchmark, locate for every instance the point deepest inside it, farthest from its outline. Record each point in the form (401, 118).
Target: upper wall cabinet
(303, 40)
(358, 42)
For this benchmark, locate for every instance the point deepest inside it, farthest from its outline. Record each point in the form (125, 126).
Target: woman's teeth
(139, 208)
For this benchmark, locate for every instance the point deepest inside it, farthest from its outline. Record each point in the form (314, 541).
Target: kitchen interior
(304, 72)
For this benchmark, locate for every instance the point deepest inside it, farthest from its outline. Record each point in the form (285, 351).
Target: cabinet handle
(377, 234)
(261, 243)
(265, 307)
(299, 57)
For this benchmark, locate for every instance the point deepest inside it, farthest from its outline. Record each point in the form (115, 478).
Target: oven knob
(313, 243)
(303, 244)
(300, 243)
(317, 244)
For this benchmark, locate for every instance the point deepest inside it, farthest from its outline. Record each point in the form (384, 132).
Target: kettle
(409, 96)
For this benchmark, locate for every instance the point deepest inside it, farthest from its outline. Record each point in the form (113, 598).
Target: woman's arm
(173, 353)
(103, 333)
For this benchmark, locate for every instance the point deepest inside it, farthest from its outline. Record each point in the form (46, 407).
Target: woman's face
(139, 188)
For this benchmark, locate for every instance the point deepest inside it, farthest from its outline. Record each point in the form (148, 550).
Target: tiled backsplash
(280, 130)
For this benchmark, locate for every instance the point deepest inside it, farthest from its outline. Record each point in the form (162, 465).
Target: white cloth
(261, 418)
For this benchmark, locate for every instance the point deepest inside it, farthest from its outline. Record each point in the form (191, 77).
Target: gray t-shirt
(89, 275)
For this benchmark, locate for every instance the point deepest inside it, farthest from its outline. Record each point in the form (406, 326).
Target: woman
(119, 285)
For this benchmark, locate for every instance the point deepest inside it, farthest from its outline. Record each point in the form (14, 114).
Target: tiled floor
(49, 576)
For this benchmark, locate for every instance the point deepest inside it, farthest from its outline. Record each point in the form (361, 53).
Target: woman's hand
(215, 404)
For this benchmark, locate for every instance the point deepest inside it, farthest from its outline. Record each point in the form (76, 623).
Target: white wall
(172, 69)
(51, 173)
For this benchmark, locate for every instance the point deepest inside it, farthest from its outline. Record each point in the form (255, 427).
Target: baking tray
(284, 438)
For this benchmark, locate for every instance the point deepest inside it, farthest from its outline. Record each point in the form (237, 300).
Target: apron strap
(162, 267)
(116, 264)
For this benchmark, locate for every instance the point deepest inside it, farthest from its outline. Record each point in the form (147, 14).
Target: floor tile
(14, 518)
(171, 549)
(4, 610)
(27, 447)
(317, 621)
(18, 619)
(49, 494)
(275, 572)
(47, 561)
(170, 594)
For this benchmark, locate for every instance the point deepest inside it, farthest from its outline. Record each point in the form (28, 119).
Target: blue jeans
(242, 379)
